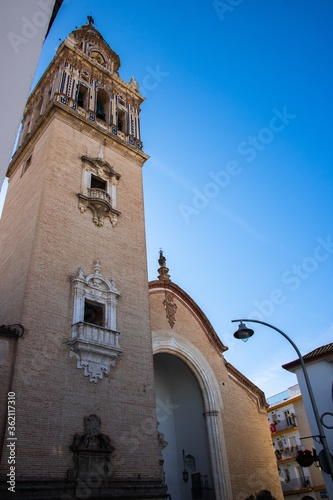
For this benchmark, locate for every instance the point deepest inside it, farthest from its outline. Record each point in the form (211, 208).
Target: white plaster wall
(321, 378)
(23, 29)
(184, 427)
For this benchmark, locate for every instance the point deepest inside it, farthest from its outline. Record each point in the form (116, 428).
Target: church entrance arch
(188, 406)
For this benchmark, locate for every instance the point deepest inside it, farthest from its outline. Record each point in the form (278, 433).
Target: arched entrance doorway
(180, 413)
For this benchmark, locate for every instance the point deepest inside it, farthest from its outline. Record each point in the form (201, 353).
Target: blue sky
(238, 188)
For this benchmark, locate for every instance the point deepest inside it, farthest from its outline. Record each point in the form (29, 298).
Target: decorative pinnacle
(97, 267)
(163, 270)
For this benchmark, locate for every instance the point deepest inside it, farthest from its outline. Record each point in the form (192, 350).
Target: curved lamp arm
(309, 388)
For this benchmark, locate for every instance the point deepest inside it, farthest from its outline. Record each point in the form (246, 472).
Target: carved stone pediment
(101, 166)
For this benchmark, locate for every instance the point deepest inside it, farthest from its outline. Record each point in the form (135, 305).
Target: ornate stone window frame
(95, 347)
(102, 203)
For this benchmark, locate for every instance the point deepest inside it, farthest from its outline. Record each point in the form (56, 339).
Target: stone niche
(91, 454)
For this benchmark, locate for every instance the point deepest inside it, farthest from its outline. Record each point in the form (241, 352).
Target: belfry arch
(184, 360)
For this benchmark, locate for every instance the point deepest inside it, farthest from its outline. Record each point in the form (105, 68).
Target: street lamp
(244, 333)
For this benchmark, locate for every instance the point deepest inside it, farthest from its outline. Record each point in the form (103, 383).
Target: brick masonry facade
(47, 235)
(46, 238)
(242, 416)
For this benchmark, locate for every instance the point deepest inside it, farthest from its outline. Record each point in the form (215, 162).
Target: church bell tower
(76, 348)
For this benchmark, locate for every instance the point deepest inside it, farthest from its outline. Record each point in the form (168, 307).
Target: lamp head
(243, 333)
(185, 476)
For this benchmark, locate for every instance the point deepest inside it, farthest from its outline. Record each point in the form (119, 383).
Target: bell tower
(74, 285)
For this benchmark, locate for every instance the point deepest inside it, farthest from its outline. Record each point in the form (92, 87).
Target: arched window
(98, 57)
(82, 96)
(103, 105)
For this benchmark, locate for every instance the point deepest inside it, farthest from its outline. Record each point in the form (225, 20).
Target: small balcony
(286, 453)
(95, 334)
(299, 483)
(95, 348)
(283, 425)
(100, 194)
(100, 204)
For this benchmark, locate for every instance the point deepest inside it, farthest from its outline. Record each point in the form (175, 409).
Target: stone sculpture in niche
(91, 455)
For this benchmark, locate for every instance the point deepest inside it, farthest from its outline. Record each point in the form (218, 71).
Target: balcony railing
(101, 123)
(96, 334)
(299, 483)
(286, 454)
(283, 425)
(100, 194)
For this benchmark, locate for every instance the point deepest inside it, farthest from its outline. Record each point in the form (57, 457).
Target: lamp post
(244, 333)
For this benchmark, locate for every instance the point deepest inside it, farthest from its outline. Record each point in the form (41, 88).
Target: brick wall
(247, 442)
(47, 240)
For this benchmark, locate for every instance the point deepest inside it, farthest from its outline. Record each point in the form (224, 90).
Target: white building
(319, 364)
(290, 433)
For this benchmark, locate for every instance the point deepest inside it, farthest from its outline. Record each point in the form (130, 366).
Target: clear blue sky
(238, 189)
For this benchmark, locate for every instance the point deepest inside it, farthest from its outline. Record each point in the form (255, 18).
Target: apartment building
(291, 433)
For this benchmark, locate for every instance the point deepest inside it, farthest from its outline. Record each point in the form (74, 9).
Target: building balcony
(289, 453)
(286, 454)
(297, 484)
(95, 334)
(95, 348)
(100, 194)
(283, 425)
(100, 204)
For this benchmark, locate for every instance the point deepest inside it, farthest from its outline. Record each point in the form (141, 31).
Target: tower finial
(91, 20)
(163, 270)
